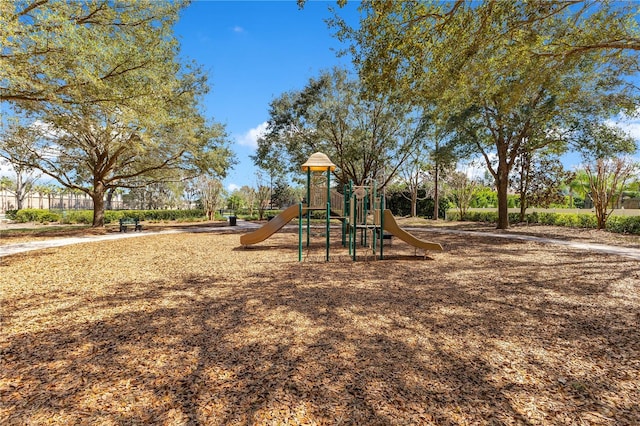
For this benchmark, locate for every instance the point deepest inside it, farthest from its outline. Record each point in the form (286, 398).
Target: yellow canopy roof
(318, 162)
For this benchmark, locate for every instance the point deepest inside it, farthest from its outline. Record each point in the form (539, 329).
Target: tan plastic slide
(391, 226)
(271, 227)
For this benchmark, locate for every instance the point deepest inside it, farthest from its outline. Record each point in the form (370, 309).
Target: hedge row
(33, 215)
(618, 224)
(110, 216)
(153, 215)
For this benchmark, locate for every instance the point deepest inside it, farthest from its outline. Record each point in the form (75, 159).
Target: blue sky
(253, 51)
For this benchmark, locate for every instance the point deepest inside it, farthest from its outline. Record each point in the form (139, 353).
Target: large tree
(414, 176)
(506, 71)
(52, 50)
(211, 192)
(365, 137)
(94, 149)
(606, 164)
(104, 85)
(16, 144)
(539, 178)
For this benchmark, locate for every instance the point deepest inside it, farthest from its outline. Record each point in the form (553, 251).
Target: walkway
(10, 249)
(598, 248)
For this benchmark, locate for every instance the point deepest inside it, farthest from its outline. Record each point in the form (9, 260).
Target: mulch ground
(193, 329)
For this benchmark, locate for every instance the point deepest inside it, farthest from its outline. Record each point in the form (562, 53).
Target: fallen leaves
(191, 329)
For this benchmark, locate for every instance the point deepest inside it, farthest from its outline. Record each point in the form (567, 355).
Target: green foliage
(607, 180)
(474, 216)
(105, 84)
(484, 197)
(111, 216)
(538, 179)
(154, 215)
(617, 224)
(78, 216)
(36, 215)
(400, 204)
(363, 135)
(52, 51)
(624, 224)
(283, 194)
(504, 72)
(234, 202)
(596, 140)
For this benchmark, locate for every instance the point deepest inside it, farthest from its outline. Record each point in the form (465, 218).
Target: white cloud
(251, 137)
(6, 170)
(632, 127)
(238, 29)
(629, 124)
(232, 187)
(476, 168)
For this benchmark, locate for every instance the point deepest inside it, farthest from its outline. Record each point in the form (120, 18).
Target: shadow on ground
(481, 334)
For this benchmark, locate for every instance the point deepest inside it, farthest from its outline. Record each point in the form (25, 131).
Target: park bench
(128, 221)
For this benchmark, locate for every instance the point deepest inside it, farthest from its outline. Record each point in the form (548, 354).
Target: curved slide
(391, 226)
(271, 227)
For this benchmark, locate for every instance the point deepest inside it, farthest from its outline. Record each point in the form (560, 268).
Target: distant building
(54, 201)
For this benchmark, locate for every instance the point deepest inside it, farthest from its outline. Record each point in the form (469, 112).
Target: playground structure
(360, 209)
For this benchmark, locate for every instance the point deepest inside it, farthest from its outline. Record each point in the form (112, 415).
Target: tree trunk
(414, 201)
(98, 206)
(110, 193)
(19, 191)
(523, 209)
(436, 201)
(502, 186)
(525, 166)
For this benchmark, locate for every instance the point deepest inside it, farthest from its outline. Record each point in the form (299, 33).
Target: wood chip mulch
(191, 328)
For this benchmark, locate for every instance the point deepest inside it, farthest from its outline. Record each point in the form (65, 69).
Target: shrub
(78, 216)
(474, 216)
(567, 220)
(624, 224)
(618, 224)
(588, 220)
(153, 215)
(36, 215)
(110, 216)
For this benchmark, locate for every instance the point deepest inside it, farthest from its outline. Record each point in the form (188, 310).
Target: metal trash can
(232, 220)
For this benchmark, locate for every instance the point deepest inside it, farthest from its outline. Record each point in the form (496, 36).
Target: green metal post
(328, 225)
(350, 240)
(355, 240)
(329, 186)
(300, 232)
